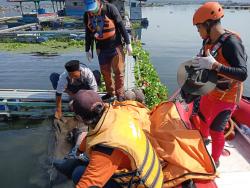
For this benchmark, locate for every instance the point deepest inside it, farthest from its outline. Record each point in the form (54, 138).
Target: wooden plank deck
(18, 28)
(26, 94)
(4, 19)
(129, 82)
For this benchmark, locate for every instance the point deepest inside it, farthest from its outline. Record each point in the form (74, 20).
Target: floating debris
(46, 54)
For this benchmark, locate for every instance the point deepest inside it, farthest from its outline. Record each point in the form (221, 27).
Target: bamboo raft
(24, 102)
(5, 19)
(22, 27)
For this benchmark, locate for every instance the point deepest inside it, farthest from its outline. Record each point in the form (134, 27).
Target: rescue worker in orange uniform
(115, 141)
(104, 25)
(223, 52)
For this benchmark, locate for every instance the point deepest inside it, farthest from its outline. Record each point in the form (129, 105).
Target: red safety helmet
(208, 11)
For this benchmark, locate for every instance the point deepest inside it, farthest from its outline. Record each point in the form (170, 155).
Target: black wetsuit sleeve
(88, 38)
(116, 17)
(233, 51)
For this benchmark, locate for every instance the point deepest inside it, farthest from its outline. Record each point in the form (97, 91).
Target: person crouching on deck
(117, 147)
(72, 80)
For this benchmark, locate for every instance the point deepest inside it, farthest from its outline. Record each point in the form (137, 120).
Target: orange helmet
(208, 11)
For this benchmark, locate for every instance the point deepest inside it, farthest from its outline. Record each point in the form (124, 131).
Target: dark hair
(210, 23)
(93, 117)
(72, 65)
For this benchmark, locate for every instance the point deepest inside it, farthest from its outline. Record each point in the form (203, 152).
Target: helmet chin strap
(208, 27)
(98, 8)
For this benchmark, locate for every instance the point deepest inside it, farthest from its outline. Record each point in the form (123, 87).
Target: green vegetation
(136, 25)
(102, 87)
(48, 47)
(147, 77)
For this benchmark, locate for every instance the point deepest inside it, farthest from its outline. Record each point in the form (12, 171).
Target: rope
(231, 128)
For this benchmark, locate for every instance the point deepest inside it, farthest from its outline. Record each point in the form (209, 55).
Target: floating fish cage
(41, 36)
(30, 103)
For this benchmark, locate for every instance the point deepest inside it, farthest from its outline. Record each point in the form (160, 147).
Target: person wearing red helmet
(223, 52)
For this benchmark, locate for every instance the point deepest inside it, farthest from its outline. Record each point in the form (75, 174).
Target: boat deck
(235, 169)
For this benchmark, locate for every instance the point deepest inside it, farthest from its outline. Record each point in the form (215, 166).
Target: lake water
(170, 39)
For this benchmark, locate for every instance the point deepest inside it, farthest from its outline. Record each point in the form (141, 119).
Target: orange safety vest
(233, 92)
(121, 127)
(101, 25)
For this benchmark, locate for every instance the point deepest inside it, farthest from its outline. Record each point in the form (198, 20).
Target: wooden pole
(36, 6)
(21, 8)
(38, 2)
(56, 7)
(53, 5)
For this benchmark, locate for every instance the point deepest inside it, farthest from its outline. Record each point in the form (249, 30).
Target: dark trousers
(113, 64)
(74, 169)
(54, 77)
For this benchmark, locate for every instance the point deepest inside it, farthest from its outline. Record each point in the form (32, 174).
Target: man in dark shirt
(223, 52)
(104, 26)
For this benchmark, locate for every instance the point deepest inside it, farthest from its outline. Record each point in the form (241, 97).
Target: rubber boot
(203, 126)
(218, 142)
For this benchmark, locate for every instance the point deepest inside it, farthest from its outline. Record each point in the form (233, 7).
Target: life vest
(101, 25)
(78, 84)
(120, 127)
(227, 89)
